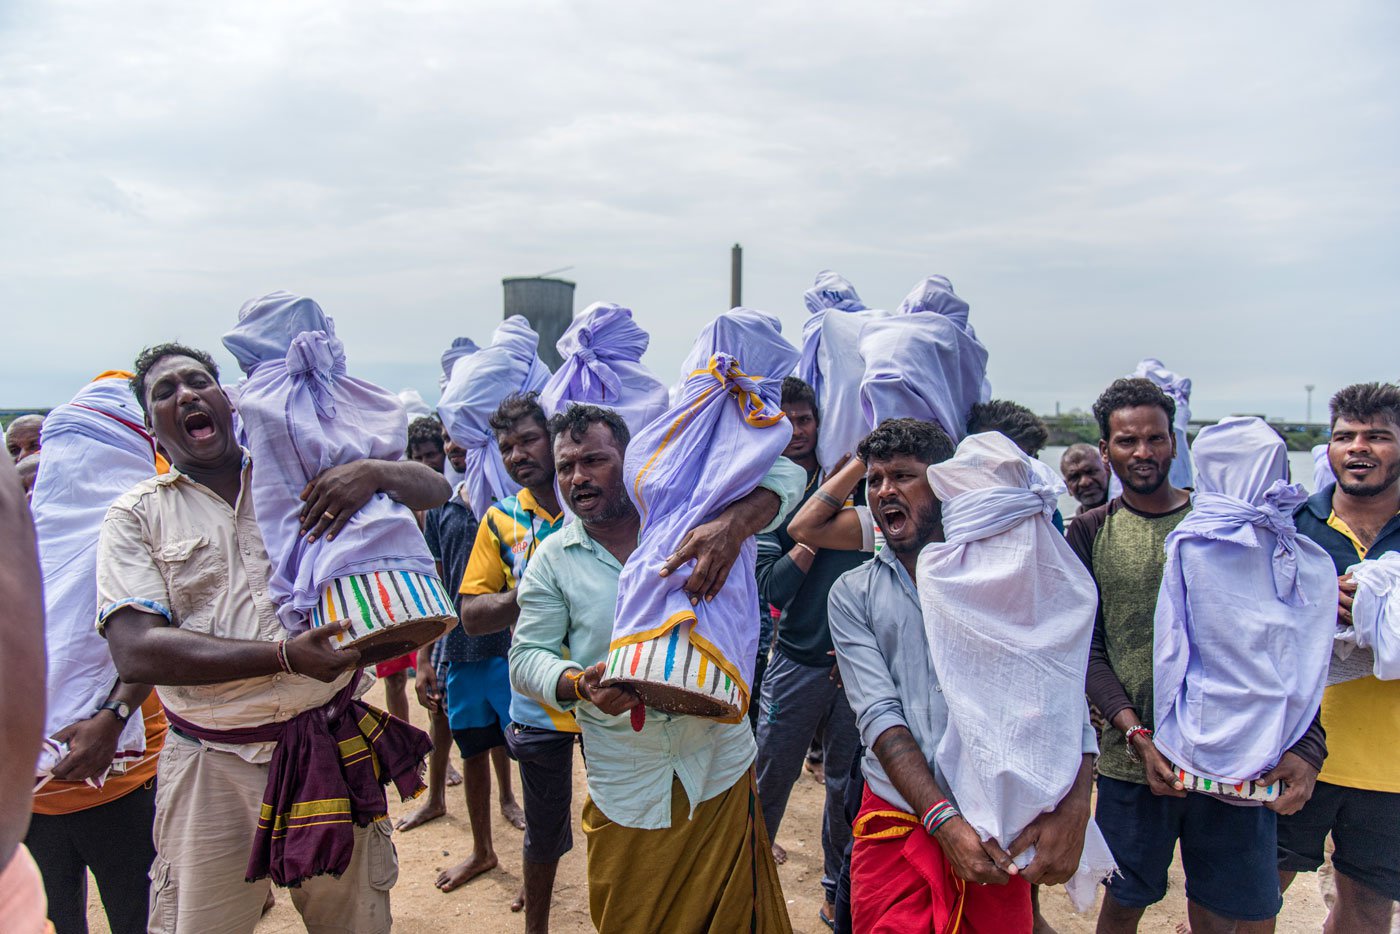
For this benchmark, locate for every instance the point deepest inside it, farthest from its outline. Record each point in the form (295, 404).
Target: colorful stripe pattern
(673, 659)
(379, 600)
(1252, 791)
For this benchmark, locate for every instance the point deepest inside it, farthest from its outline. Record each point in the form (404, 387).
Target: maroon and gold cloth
(327, 775)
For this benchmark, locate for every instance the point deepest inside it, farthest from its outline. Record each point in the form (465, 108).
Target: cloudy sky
(1213, 184)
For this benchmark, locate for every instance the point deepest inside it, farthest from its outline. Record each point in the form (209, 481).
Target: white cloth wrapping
(300, 414)
(1179, 388)
(602, 353)
(832, 365)
(480, 381)
(1009, 612)
(413, 404)
(95, 449)
(1322, 467)
(926, 363)
(1375, 613)
(1245, 614)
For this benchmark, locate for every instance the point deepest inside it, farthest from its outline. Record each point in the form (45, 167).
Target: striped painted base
(1250, 791)
(390, 612)
(674, 675)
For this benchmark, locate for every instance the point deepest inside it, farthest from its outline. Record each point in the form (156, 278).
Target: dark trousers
(114, 841)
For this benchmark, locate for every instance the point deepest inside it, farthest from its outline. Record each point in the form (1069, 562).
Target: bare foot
(827, 912)
(818, 771)
(464, 872)
(454, 777)
(779, 854)
(428, 812)
(270, 902)
(519, 903)
(513, 814)
(1043, 927)
(1183, 928)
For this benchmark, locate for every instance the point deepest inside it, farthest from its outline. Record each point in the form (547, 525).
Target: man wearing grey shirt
(897, 873)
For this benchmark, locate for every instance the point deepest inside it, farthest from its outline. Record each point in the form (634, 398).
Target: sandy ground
(483, 906)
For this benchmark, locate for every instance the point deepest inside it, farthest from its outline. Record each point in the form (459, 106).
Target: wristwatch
(122, 711)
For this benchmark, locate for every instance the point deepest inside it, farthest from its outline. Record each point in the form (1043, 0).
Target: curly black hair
(1012, 419)
(897, 437)
(424, 430)
(577, 418)
(1129, 393)
(513, 408)
(798, 391)
(153, 355)
(1362, 402)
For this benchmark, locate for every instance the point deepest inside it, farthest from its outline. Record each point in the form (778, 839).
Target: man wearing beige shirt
(183, 601)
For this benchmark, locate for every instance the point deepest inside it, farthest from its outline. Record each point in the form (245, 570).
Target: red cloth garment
(327, 775)
(901, 882)
(395, 665)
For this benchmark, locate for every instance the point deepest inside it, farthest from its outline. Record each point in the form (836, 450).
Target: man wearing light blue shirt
(677, 792)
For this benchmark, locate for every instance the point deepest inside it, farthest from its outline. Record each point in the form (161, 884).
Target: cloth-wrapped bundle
(713, 447)
(1322, 467)
(413, 404)
(460, 347)
(602, 352)
(1245, 615)
(1179, 388)
(1375, 613)
(300, 414)
(926, 363)
(832, 365)
(478, 384)
(1007, 605)
(95, 448)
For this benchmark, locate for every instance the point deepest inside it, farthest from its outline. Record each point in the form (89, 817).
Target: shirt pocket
(194, 576)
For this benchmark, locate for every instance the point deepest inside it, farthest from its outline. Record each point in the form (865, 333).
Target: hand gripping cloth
(925, 363)
(1009, 612)
(95, 449)
(1179, 388)
(300, 415)
(832, 365)
(479, 382)
(1245, 615)
(1375, 613)
(602, 352)
(712, 448)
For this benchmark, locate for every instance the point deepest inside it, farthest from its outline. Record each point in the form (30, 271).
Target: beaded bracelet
(938, 815)
(1128, 740)
(283, 661)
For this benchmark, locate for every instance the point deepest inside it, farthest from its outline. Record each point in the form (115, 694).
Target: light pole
(1310, 387)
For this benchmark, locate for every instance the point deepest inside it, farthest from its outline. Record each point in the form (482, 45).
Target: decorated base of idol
(391, 613)
(1248, 791)
(675, 673)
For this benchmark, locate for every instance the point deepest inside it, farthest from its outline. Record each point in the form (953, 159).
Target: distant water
(1300, 462)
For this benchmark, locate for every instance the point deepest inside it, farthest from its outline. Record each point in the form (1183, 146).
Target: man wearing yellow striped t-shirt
(539, 738)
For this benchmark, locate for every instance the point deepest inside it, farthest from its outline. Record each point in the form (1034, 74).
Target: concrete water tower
(548, 304)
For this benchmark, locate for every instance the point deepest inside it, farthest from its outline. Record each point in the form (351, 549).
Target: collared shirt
(172, 547)
(878, 628)
(567, 600)
(1361, 717)
(506, 542)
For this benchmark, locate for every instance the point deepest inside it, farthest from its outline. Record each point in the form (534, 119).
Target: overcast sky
(1213, 185)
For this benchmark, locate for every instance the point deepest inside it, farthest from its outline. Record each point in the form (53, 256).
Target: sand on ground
(483, 905)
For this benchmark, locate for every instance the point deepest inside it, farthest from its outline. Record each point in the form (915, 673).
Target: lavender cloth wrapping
(1179, 388)
(480, 381)
(413, 404)
(925, 363)
(300, 414)
(1375, 613)
(713, 447)
(1245, 614)
(602, 352)
(832, 365)
(460, 347)
(1006, 602)
(1322, 467)
(95, 449)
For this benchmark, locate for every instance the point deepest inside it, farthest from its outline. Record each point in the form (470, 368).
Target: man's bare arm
(485, 613)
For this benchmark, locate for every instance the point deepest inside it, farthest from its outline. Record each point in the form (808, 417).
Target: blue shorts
(1229, 852)
(478, 694)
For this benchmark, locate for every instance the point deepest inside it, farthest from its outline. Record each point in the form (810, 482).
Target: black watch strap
(122, 711)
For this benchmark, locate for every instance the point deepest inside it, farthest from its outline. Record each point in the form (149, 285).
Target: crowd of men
(685, 816)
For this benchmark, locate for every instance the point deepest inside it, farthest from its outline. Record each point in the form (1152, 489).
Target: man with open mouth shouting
(183, 601)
